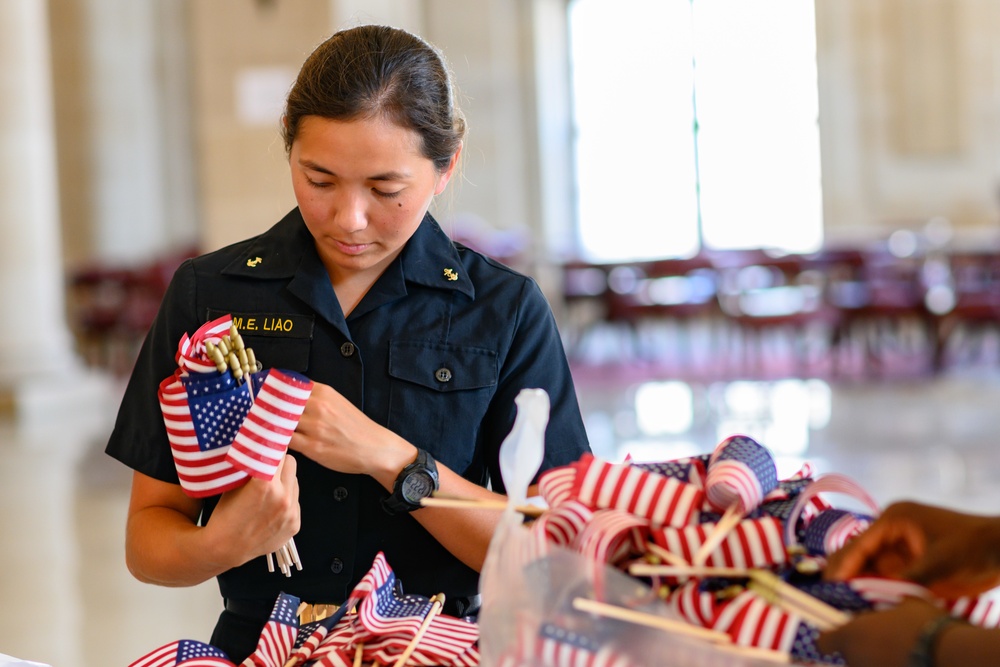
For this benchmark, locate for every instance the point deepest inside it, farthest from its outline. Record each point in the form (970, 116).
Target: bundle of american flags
(226, 419)
(755, 586)
(378, 624)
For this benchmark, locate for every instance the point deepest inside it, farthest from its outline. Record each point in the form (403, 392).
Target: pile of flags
(377, 624)
(665, 525)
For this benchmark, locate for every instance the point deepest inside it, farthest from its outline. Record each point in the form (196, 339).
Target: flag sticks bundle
(227, 419)
(230, 353)
(779, 592)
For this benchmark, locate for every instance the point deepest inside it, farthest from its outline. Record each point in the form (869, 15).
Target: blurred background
(771, 217)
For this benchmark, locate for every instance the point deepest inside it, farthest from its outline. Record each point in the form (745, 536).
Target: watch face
(417, 485)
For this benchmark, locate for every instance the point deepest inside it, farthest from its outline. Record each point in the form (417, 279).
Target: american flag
(186, 653)
(263, 436)
(741, 471)
(556, 646)
(611, 536)
(689, 470)
(278, 636)
(311, 635)
(561, 524)
(661, 500)
(983, 610)
(218, 406)
(695, 604)
(752, 543)
(201, 471)
(191, 354)
(388, 620)
(752, 621)
(556, 484)
(831, 530)
(806, 501)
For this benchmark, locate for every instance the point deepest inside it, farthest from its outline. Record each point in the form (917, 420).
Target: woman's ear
(446, 175)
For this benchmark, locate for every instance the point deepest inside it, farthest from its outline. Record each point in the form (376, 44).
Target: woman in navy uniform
(417, 345)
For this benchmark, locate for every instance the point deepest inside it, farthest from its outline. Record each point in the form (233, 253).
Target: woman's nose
(350, 212)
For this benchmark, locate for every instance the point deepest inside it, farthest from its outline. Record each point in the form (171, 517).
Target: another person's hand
(336, 434)
(952, 553)
(260, 516)
(882, 638)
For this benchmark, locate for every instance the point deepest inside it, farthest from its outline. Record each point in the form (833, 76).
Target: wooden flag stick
(824, 616)
(650, 570)
(476, 503)
(650, 620)
(436, 603)
(358, 652)
(730, 519)
(667, 557)
(756, 653)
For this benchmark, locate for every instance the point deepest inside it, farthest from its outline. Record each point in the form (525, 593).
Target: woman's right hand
(260, 516)
(165, 545)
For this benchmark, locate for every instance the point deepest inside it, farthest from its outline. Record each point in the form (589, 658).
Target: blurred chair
(111, 308)
(652, 299)
(967, 304)
(777, 298)
(884, 310)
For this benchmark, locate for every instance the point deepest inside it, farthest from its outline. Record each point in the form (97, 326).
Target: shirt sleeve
(139, 439)
(536, 360)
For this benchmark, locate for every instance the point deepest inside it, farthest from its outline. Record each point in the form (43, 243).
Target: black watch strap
(922, 654)
(416, 481)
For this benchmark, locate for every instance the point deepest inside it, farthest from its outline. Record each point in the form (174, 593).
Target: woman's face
(362, 187)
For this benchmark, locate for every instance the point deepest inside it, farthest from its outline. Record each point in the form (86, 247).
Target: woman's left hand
(336, 434)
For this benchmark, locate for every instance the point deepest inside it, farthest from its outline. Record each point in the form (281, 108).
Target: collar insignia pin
(254, 262)
(450, 274)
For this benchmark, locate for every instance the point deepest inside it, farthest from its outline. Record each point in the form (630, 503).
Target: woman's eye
(386, 195)
(318, 184)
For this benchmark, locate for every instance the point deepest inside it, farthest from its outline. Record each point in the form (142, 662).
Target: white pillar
(37, 363)
(34, 339)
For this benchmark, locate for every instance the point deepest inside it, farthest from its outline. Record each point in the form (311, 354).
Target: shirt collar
(430, 258)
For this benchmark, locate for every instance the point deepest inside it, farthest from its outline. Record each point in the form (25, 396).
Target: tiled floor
(71, 603)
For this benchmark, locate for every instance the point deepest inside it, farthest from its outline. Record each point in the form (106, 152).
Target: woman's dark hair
(376, 71)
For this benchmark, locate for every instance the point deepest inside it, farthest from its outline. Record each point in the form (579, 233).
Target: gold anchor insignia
(254, 262)
(450, 274)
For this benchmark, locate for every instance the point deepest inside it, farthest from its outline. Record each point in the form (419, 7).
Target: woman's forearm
(162, 546)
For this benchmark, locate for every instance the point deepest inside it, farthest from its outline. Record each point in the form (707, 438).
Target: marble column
(39, 370)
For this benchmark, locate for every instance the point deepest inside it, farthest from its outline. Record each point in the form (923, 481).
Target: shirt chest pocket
(439, 395)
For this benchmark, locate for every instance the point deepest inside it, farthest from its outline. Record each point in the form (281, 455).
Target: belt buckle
(311, 612)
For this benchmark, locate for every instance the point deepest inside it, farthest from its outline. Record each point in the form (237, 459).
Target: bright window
(696, 125)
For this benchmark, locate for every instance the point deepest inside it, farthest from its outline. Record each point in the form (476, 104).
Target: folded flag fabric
(264, 433)
(388, 620)
(662, 500)
(555, 485)
(186, 653)
(553, 645)
(741, 472)
(756, 543)
(222, 428)
(202, 471)
(832, 529)
(278, 636)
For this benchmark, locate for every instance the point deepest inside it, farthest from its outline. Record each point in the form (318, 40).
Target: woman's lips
(352, 248)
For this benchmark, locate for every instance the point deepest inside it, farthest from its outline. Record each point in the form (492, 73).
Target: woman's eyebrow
(386, 176)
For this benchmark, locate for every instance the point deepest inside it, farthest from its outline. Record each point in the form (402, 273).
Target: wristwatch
(415, 482)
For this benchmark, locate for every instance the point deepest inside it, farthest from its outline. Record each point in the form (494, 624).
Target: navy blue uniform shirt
(436, 351)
